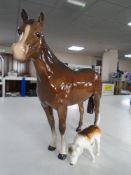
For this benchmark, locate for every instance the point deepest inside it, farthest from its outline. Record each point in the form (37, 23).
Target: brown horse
(57, 85)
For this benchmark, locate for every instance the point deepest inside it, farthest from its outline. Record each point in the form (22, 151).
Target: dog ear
(70, 149)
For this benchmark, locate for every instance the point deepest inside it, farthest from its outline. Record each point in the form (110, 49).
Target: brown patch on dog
(90, 132)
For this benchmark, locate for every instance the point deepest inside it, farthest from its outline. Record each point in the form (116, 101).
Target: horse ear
(41, 18)
(24, 15)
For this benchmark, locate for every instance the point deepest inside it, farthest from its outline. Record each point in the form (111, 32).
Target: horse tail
(90, 107)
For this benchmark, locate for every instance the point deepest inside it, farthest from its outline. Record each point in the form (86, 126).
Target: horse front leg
(81, 109)
(62, 112)
(49, 113)
(97, 106)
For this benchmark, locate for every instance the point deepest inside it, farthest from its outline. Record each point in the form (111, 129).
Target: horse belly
(78, 96)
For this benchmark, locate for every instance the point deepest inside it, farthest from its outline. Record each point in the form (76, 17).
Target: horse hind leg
(49, 113)
(97, 106)
(81, 109)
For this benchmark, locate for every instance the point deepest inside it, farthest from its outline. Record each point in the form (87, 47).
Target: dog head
(74, 151)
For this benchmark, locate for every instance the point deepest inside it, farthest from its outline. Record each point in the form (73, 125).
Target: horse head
(30, 38)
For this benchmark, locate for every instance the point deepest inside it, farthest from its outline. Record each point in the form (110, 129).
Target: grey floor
(25, 135)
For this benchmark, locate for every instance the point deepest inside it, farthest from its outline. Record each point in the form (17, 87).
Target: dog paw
(93, 160)
(98, 154)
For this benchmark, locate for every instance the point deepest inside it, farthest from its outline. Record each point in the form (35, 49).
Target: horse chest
(44, 93)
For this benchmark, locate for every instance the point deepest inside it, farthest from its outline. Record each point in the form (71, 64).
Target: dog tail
(90, 107)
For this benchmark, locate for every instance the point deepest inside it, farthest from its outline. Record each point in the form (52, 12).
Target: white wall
(109, 63)
(125, 65)
(77, 59)
(32, 69)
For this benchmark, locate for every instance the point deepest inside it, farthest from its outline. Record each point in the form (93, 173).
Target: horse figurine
(57, 85)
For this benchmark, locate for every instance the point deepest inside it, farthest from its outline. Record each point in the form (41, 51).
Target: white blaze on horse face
(25, 34)
(20, 49)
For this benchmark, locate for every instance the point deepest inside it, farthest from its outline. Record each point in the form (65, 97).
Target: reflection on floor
(25, 135)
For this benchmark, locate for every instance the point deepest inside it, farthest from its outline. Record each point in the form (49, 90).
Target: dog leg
(98, 146)
(89, 148)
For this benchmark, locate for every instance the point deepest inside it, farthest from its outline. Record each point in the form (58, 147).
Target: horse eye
(38, 34)
(19, 31)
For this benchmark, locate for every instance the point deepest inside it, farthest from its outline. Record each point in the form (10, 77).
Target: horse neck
(47, 63)
(48, 56)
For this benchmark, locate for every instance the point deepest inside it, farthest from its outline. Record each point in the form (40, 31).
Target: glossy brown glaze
(57, 85)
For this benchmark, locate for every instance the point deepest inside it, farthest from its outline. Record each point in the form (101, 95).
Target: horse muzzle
(20, 51)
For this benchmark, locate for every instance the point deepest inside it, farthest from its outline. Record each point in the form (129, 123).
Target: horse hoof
(62, 156)
(51, 148)
(78, 129)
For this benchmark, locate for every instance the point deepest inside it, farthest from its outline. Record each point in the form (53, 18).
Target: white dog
(85, 140)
